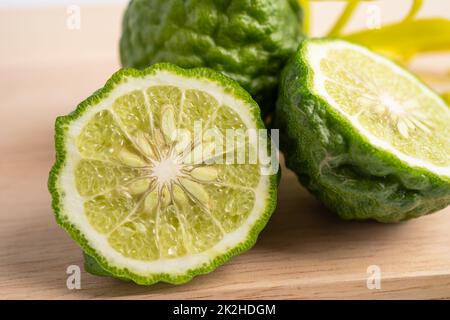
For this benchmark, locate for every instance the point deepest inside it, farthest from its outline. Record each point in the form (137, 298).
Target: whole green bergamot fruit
(364, 135)
(247, 40)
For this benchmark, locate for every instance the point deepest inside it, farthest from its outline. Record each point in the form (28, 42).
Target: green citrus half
(363, 134)
(145, 194)
(249, 41)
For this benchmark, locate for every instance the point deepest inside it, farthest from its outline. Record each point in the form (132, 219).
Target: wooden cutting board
(305, 251)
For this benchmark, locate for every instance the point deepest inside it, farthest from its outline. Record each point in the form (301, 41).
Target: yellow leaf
(446, 97)
(306, 7)
(346, 15)
(415, 8)
(404, 40)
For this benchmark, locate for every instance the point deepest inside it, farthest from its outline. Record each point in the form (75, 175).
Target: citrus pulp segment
(363, 134)
(145, 194)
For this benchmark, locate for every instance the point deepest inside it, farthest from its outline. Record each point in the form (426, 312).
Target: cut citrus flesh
(391, 107)
(363, 134)
(138, 181)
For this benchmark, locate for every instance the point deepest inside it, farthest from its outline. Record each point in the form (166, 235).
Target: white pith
(392, 104)
(315, 51)
(72, 202)
(166, 170)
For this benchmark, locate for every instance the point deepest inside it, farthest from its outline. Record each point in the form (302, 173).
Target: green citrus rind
(247, 41)
(360, 181)
(63, 123)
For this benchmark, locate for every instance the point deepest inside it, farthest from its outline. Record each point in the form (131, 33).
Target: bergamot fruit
(143, 192)
(249, 41)
(364, 135)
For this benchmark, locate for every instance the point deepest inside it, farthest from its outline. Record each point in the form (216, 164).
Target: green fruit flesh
(393, 109)
(129, 207)
(362, 134)
(142, 195)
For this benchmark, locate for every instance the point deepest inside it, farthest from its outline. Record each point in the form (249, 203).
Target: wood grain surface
(305, 251)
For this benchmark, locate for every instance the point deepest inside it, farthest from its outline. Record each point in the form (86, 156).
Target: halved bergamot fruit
(142, 187)
(364, 135)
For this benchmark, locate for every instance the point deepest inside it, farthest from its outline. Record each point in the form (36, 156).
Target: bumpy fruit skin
(95, 262)
(93, 267)
(247, 40)
(340, 166)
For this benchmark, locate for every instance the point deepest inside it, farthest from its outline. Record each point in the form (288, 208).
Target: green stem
(344, 18)
(415, 8)
(306, 15)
